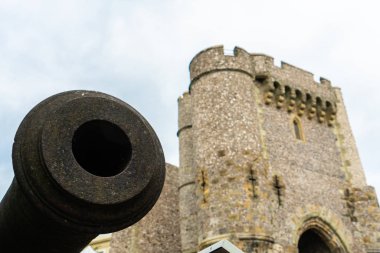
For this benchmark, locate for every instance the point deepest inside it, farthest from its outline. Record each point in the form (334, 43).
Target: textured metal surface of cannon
(85, 163)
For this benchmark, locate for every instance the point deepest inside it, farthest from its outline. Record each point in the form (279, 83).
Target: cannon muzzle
(85, 163)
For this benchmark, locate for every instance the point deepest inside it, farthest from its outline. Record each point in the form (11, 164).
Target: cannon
(85, 163)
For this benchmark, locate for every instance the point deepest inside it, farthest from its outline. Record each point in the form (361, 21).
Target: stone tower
(268, 161)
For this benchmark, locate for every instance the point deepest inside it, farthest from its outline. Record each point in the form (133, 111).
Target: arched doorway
(311, 242)
(318, 236)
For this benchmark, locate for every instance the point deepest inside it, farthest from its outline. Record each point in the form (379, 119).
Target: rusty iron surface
(85, 163)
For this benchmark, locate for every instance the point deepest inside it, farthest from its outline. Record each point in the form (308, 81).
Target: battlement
(216, 59)
(285, 85)
(183, 96)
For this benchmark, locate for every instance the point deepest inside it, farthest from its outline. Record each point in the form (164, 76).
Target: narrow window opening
(253, 179)
(297, 129)
(308, 99)
(277, 87)
(261, 78)
(319, 102)
(288, 91)
(203, 186)
(279, 188)
(299, 95)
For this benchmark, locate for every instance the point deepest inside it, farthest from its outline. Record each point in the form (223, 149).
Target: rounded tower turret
(227, 151)
(187, 199)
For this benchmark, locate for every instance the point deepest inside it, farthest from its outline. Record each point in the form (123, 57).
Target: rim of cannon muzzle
(89, 161)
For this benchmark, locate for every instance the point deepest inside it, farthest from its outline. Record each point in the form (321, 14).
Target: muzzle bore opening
(101, 148)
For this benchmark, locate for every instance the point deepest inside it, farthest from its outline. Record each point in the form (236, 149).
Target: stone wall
(272, 151)
(158, 231)
(187, 177)
(267, 155)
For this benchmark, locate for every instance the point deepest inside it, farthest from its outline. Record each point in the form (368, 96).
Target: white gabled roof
(222, 245)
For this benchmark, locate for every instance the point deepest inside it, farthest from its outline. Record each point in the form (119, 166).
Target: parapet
(214, 59)
(286, 83)
(262, 63)
(184, 112)
(254, 64)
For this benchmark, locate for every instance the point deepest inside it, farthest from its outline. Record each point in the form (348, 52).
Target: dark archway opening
(311, 242)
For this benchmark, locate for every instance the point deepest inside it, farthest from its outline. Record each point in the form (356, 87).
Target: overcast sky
(139, 51)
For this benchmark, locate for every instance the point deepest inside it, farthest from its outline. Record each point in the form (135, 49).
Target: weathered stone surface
(273, 154)
(158, 231)
(267, 157)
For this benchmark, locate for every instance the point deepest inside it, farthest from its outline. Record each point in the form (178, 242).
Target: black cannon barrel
(85, 163)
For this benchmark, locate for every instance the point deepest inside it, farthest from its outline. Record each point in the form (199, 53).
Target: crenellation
(262, 64)
(325, 82)
(293, 71)
(184, 115)
(214, 59)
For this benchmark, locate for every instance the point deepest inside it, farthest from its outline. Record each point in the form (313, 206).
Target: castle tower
(187, 176)
(268, 161)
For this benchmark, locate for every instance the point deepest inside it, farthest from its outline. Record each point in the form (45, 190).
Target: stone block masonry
(268, 161)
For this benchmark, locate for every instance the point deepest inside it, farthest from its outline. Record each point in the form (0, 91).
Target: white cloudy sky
(139, 51)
